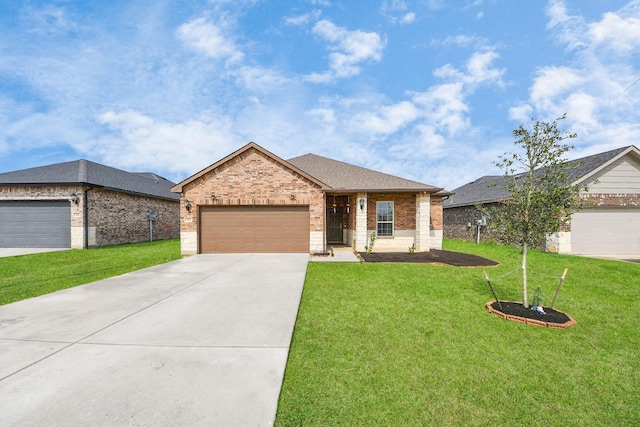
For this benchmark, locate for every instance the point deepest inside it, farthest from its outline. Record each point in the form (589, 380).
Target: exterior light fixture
(362, 201)
(292, 196)
(74, 198)
(213, 196)
(187, 205)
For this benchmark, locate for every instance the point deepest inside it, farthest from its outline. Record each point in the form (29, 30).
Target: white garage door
(35, 224)
(614, 231)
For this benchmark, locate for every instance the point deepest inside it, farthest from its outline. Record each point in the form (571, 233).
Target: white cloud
(408, 18)
(303, 19)
(480, 70)
(590, 86)
(396, 11)
(48, 19)
(521, 113)
(552, 82)
(210, 39)
(570, 29)
(463, 40)
(387, 120)
(349, 49)
(325, 3)
(444, 107)
(619, 33)
(139, 141)
(259, 79)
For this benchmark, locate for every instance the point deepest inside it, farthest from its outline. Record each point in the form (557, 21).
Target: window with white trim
(384, 219)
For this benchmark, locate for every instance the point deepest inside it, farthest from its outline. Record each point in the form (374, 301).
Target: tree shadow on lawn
(434, 256)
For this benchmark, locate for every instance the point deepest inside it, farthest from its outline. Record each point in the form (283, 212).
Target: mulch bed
(434, 256)
(517, 312)
(517, 309)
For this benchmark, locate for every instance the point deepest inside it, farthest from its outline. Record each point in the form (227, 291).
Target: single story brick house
(609, 227)
(81, 204)
(254, 201)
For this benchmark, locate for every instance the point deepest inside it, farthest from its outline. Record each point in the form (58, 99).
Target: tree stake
(492, 290)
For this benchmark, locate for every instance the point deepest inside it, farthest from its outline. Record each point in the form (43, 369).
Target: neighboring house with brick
(610, 226)
(81, 204)
(254, 201)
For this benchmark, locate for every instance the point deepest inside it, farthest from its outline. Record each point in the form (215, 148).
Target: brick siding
(612, 200)
(404, 207)
(114, 217)
(252, 178)
(437, 217)
(123, 218)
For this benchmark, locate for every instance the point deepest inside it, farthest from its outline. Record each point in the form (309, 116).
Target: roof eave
(474, 203)
(388, 190)
(585, 177)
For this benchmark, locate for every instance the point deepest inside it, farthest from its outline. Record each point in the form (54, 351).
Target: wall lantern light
(187, 205)
(292, 196)
(213, 196)
(74, 198)
(362, 201)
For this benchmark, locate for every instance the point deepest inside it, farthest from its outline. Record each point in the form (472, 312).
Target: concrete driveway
(7, 252)
(199, 341)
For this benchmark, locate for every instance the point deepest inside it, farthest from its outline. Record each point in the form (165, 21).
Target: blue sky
(429, 90)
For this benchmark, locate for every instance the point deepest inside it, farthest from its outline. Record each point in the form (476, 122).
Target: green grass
(412, 345)
(32, 275)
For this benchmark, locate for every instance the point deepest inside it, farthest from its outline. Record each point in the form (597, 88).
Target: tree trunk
(525, 299)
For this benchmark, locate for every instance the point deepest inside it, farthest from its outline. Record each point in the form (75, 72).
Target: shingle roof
(491, 188)
(342, 176)
(85, 172)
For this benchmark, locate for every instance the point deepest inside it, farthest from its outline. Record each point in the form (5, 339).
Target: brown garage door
(237, 229)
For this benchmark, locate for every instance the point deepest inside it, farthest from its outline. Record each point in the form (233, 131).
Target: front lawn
(32, 275)
(413, 345)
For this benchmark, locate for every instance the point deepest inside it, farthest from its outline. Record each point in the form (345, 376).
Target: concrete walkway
(340, 254)
(199, 341)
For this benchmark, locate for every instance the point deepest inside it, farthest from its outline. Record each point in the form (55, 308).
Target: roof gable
(251, 146)
(491, 189)
(341, 176)
(85, 172)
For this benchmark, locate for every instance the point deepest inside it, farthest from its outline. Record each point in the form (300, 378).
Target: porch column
(423, 221)
(361, 223)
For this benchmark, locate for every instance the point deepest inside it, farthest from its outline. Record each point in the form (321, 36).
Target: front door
(334, 225)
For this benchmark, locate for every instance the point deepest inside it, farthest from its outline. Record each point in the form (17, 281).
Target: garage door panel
(600, 231)
(238, 229)
(35, 223)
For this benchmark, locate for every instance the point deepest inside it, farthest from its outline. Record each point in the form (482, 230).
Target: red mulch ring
(434, 256)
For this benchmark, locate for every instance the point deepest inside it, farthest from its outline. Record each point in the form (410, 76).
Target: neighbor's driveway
(199, 341)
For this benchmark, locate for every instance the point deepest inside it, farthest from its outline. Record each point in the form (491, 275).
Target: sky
(429, 90)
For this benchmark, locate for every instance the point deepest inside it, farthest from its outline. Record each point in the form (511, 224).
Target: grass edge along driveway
(412, 345)
(28, 276)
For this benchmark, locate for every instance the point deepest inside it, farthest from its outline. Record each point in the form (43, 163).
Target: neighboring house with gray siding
(609, 227)
(81, 204)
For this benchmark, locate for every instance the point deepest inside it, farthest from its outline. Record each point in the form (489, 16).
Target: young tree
(542, 196)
